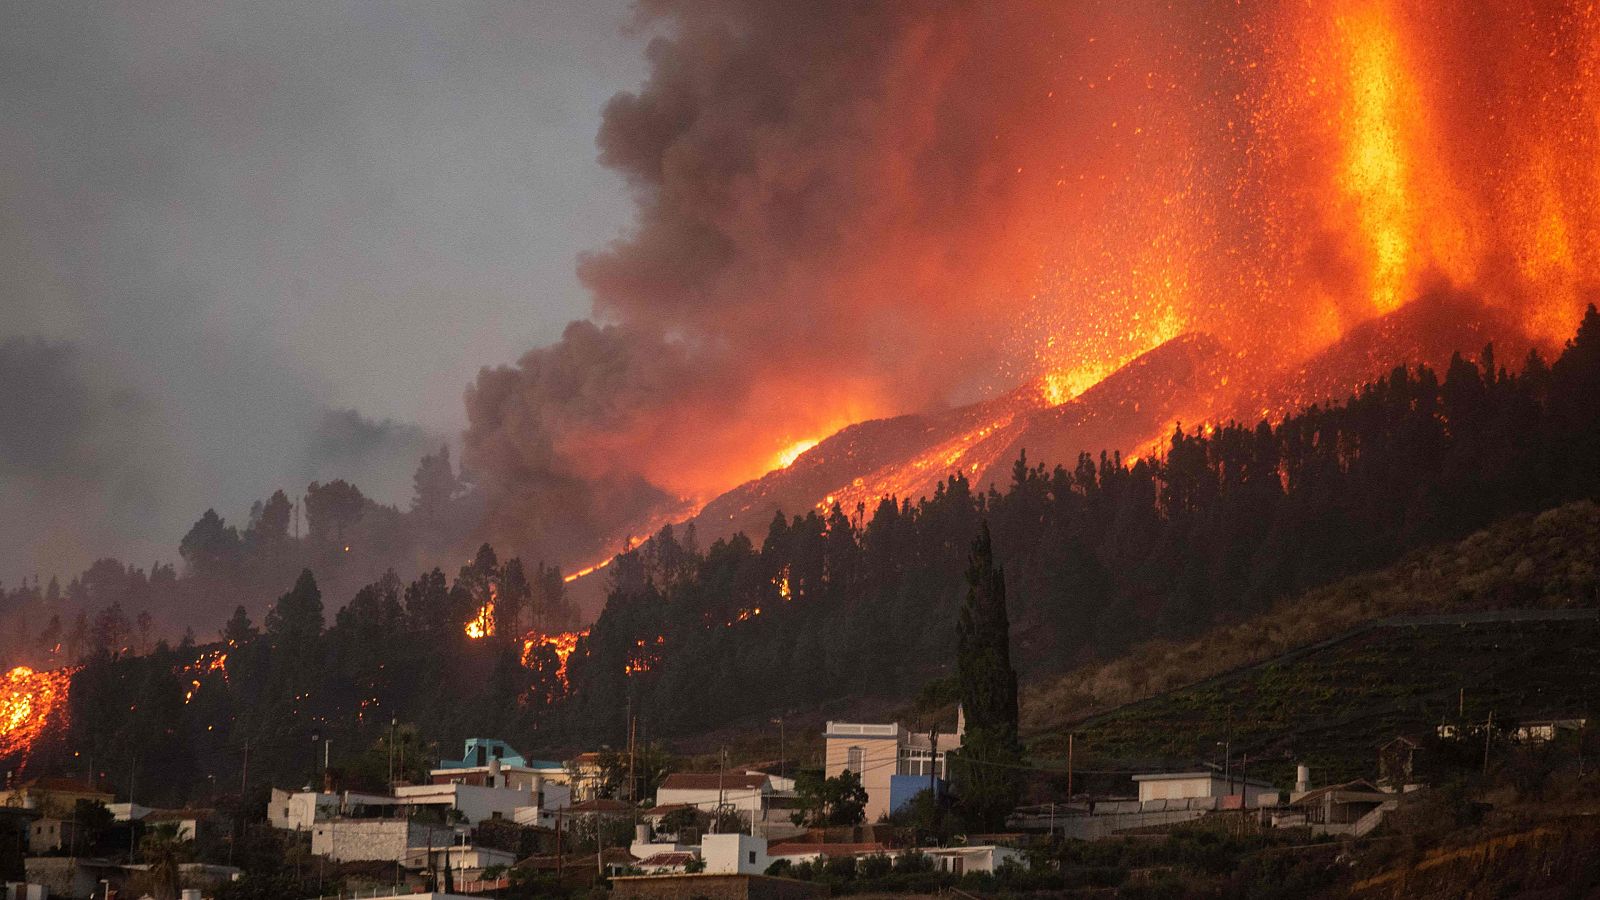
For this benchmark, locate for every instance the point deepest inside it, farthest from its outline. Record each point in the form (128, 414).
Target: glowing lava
(28, 701)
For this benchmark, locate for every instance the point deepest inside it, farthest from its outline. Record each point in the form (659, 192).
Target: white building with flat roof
(1199, 785)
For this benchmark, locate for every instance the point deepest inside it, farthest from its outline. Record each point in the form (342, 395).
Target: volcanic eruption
(877, 215)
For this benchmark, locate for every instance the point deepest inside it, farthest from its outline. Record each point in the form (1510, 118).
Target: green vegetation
(987, 769)
(1334, 707)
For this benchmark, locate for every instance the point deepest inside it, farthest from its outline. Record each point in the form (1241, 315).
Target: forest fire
(789, 454)
(482, 624)
(29, 701)
(212, 662)
(562, 644)
(645, 656)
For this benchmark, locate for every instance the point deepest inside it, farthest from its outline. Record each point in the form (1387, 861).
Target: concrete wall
(1089, 828)
(375, 839)
(62, 876)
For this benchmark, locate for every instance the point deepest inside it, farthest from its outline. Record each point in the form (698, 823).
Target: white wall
(746, 800)
(734, 854)
(475, 803)
(298, 810)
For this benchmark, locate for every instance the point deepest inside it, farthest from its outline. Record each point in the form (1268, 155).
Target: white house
(476, 804)
(1201, 785)
(467, 861)
(297, 810)
(806, 852)
(734, 854)
(961, 860)
(741, 791)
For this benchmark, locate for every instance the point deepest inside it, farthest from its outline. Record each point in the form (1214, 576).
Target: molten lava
(29, 701)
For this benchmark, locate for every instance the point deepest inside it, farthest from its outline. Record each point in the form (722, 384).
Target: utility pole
(1070, 736)
(394, 721)
(1488, 731)
(722, 771)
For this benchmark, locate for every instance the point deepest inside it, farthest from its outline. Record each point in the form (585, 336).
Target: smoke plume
(846, 210)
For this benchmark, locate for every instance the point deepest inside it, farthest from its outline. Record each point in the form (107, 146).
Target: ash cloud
(818, 220)
(830, 225)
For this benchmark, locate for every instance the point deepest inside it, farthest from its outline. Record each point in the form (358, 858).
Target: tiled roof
(670, 807)
(666, 860)
(64, 786)
(601, 805)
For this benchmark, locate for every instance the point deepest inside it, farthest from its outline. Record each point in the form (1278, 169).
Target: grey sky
(238, 220)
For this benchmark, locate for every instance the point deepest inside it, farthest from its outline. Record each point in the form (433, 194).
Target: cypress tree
(988, 768)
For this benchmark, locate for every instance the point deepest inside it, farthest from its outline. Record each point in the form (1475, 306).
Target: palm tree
(163, 848)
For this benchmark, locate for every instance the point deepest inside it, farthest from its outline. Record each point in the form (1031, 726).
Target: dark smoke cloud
(828, 227)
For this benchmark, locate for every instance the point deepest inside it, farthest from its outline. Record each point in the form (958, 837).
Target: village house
(56, 797)
(893, 763)
(1229, 791)
(187, 824)
(798, 852)
(982, 858)
(1353, 808)
(486, 762)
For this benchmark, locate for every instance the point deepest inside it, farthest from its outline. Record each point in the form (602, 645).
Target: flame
(563, 643)
(29, 699)
(789, 454)
(644, 657)
(482, 625)
(781, 582)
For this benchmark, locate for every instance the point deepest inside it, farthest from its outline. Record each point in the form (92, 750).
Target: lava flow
(29, 701)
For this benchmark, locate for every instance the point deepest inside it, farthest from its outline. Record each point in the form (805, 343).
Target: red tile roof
(63, 786)
(711, 781)
(666, 860)
(670, 807)
(602, 805)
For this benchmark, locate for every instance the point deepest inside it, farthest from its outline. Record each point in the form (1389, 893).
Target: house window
(853, 759)
(495, 814)
(752, 857)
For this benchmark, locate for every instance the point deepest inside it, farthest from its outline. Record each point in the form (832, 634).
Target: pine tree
(987, 769)
(239, 630)
(296, 619)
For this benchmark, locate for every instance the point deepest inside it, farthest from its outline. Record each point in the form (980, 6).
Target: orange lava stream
(29, 700)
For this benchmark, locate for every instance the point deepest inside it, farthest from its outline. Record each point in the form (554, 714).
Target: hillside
(1329, 675)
